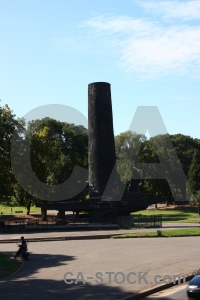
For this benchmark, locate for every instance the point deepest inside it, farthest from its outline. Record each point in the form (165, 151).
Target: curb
(86, 237)
(159, 288)
(156, 236)
(61, 238)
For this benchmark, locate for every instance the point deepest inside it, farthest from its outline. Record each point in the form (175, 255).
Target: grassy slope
(184, 214)
(164, 233)
(181, 214)
(5, 207)
(7, 266)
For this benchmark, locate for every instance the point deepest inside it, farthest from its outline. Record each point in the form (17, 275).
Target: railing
(36, 224)
(139, 221)
(28, 224)
(147, 221)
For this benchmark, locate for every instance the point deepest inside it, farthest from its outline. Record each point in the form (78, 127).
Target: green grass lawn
(7, 266)
(164, 233)
(5, 208)
(181, 214)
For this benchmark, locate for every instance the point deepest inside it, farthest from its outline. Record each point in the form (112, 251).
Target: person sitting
(22, 246)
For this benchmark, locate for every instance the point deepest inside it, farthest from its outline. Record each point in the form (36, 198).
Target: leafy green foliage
(56, 147)
(22, 198)
(185, 146)
(128, 145)
(179, 154)
(8, 124)
(195, 200)
(194, 172)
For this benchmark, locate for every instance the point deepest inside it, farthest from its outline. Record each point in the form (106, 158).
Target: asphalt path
(98, 269)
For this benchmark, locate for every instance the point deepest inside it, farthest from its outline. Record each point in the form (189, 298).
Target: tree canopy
(56, 147)
(179, 154)
(9, 123)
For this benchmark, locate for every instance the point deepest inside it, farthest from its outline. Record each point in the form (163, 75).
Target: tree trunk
(61, 214)
(28, 209)
(43, 214)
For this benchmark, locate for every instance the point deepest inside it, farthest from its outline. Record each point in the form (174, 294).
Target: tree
(150, 152)
(128, 145)
(22, 198)
(8, 125)
(194, 172)
(195, 200)
(185, 146)
(56, 147)
(175, 151)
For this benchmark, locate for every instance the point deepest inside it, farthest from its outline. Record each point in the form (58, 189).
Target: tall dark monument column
(101, 136)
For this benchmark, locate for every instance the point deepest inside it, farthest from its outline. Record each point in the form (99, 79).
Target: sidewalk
(75, 233)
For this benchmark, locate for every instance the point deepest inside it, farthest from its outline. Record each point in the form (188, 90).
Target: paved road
(125, 267)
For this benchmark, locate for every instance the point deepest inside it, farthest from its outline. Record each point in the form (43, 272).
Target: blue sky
(149, 51)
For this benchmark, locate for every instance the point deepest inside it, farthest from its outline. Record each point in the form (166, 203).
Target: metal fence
(52, 223)
(147, 221)
(139, 221)
(36, 224)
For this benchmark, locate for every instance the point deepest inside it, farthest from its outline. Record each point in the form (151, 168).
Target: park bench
(19, 211)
